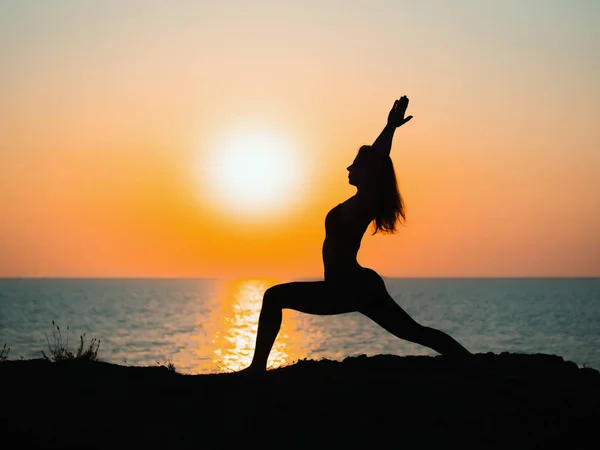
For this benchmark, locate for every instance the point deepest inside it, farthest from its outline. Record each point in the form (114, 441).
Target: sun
(251, 174)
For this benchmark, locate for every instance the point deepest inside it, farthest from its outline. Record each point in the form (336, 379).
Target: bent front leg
(311, 297)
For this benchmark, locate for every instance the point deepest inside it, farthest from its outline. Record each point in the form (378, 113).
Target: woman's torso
(345, 226)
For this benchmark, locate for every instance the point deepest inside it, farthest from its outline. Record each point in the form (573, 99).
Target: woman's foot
(251, 371)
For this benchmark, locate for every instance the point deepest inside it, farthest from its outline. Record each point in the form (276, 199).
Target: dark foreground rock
(507, 401)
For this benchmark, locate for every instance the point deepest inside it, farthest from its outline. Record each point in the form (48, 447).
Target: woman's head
(360, 173)
(375, 175)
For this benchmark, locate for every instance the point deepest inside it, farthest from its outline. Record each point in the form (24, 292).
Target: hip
(353, 275)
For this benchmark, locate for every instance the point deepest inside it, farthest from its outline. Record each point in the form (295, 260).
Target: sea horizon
(524, 277)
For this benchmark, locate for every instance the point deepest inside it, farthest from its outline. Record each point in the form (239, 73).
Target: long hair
(382, 183)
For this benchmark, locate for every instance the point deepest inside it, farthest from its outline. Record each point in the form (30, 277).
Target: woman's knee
(270, 296)
(273, 297)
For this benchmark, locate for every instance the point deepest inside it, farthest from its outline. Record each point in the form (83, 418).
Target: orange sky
(109, 111)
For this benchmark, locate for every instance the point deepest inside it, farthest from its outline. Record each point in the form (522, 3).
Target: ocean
(209, 325)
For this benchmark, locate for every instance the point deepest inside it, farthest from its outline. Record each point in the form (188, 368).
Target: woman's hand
(396, 116)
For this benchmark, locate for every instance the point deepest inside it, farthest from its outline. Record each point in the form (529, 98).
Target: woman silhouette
(348, 287)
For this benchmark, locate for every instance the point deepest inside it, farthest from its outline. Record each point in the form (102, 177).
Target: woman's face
(357, 172)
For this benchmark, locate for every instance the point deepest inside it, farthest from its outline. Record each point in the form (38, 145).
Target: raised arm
(383, 143)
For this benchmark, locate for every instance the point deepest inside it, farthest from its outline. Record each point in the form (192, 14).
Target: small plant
(59, 351)
(168, 364)
(4, 353)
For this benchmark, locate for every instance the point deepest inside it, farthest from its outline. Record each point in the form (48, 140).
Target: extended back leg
(390, 316)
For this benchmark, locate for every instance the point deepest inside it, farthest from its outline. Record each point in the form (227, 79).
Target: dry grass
(59, 350)
(4, 353)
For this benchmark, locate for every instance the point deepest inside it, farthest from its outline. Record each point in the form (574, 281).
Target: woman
(348, 287)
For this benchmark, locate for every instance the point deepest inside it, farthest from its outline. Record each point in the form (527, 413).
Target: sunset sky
(126, 127)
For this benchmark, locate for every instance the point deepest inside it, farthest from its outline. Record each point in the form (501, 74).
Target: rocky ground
(506, 401)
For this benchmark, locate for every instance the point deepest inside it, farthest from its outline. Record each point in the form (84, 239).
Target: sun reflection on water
(234, 335)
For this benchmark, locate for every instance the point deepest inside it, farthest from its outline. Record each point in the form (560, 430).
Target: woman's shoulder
(357, 205)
